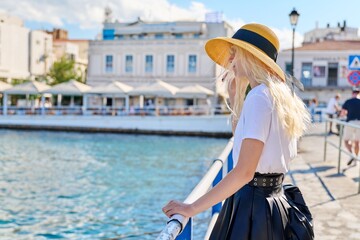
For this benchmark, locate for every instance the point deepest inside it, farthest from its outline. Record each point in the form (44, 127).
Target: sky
(83, 18)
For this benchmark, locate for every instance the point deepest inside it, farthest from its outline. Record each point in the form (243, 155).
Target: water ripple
(57, 185)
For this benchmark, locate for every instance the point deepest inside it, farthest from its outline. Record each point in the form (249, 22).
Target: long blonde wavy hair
(291, 110)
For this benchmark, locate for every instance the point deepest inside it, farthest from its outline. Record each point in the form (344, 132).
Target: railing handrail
(178, 222)
(341, 122)
(339, 145)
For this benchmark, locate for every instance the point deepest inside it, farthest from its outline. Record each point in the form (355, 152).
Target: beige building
(323, 62)
(140, 52)
(41, 53)
(337, 33)
(14, 49)
(322, 67)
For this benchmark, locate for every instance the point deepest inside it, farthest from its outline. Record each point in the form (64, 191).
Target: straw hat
(255, 38)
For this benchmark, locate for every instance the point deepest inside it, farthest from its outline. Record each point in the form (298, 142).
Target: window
(108, 63)
(170, 63)
(306, 74)
(288, 68)
(148, 63)
(192, 64)
(196, 35)
(128, 63)
(178, 35)
(71, 56)
(332, 74)
(159, 36)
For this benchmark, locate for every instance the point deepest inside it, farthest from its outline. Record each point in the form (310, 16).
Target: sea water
(97, 186)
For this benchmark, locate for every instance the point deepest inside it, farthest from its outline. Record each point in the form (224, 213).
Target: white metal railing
(178, 223)
(338, 145)
(176, 110)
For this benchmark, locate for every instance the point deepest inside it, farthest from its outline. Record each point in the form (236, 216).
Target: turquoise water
(96, 186)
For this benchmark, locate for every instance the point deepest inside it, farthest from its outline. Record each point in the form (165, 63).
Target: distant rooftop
(338, 33)
(329, 45)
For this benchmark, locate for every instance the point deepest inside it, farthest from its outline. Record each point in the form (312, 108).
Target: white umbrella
(157, 89)
(31, 87)
(114, 88)
(194, 91)
(4, 86)
(70, 88)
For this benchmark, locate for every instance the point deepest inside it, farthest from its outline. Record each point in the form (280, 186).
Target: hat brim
(218, 50)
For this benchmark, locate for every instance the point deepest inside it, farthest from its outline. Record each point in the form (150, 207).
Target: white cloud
(284, 35)
(285, 38)
(90, 14)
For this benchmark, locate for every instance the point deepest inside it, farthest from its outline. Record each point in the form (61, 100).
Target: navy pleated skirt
(258, 211)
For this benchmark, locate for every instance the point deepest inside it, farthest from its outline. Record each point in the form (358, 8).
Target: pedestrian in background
(351, 109)
(333, 110)
(312, 108)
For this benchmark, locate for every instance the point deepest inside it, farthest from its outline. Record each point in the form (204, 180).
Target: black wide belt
(267, 180)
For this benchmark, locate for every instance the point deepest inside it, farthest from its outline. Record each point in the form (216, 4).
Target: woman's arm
(243, 172)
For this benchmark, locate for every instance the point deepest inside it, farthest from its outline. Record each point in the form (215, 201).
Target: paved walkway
(332, 197)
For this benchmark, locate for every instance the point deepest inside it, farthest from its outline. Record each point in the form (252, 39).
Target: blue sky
(83, 18)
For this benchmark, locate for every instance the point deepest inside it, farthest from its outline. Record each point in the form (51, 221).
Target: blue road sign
(354, 62)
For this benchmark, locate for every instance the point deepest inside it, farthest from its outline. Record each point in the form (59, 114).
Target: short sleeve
(257, 113)
(345, 106)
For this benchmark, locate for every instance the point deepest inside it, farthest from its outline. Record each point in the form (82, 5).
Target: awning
(194, 91)
(115, 88)
(70, 88)
(4, 86)
(157, 89)
(32, 87)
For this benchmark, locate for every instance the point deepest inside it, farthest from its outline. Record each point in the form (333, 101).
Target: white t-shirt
(331, 109)
(259, 120)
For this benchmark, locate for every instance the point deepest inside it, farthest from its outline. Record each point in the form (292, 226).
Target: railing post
(217, 207)
(359, 182)
(340, 143)
(186, 234)
(325, 141)
(230, 161)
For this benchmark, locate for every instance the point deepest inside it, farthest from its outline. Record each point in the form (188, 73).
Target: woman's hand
(176, 207)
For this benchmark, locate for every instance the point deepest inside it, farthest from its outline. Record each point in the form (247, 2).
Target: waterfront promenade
(332, 197)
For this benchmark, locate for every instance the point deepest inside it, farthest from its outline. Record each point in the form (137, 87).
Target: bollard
(340, 143)
(325, 141)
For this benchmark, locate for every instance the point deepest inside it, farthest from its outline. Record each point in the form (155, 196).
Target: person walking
(267, 124)
(312, 107)
(351, 109)
(333, 109)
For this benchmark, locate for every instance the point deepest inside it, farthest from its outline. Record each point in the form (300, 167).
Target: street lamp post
(294, 15)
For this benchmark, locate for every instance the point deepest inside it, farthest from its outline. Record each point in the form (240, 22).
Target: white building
(14, 48)
(140, 52)
(322, 67)
(41, 53)
(338, 33)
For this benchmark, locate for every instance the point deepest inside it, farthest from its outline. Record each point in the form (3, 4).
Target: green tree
(63, 71)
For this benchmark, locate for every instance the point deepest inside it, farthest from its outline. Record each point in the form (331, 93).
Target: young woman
(266, 126)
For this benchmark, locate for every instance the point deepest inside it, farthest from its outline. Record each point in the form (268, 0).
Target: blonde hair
(291, 110)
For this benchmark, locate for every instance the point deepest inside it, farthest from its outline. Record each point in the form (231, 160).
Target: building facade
(322, 62)
(14, 49)
(41, 53)
(141, 52)
(337, 33)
